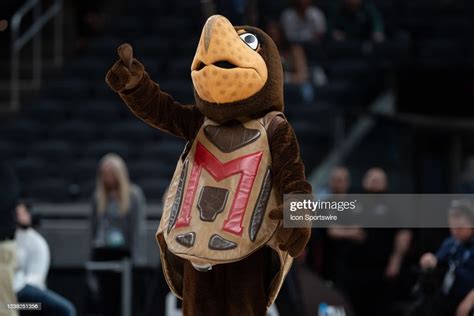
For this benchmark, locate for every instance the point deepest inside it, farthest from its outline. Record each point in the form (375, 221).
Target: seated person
(304, 23)
(356, 20)
(293, 58)
(8, 200)
(457, 253)
(33, 260)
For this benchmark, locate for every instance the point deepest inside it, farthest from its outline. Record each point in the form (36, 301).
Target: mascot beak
(227, 66)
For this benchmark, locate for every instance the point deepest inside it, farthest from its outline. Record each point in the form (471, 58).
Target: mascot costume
(224, 250)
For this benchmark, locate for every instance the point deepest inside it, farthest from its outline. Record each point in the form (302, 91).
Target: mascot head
(236, 71)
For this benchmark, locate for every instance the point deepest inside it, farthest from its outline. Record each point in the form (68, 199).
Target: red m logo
(247, 166)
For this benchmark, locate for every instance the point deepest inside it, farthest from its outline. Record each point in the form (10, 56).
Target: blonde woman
(118, 224)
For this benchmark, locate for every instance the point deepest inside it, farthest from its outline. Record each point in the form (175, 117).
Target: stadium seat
(173, 26)
(133, 131)
(28, 169)
(293, 94)
(154, 188)
(344, 50)
(56, 151)
(149, 169)
(81, 170)
(67, 88)
(86, 190)
(77, 131)
(97, 111)
(180, 6)
(129, 26)
(87, 67)
(46, 111)
(440, 47)
(272, 8)
(97, 150)
(154, 46)
(165, 151)
(10, 150)
(350, 69)
(23, 131)
(106, 47)
(50, 190)
(457, 27)
(437, 52)
(315, 54)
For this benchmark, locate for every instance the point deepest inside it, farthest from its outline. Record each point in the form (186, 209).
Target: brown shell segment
(211, 202)
(231, 136)
(217, 242)
(261, 205)
(186, 239)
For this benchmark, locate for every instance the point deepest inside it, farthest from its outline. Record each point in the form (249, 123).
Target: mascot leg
(230, 289)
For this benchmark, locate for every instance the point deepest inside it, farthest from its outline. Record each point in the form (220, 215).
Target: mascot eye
(250, 39)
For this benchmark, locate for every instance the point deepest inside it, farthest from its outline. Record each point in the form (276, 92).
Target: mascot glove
(127, 72)
(293, 240)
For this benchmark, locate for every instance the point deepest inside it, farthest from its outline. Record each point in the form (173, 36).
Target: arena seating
(57, 138)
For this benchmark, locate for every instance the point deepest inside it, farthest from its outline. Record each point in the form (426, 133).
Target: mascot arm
(159, 110)
(145, 99)
(289, 176)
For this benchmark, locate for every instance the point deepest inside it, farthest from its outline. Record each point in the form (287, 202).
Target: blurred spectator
(368, 257)
(89, 20)
(375, 181)
(339, 182)
(4, 40)
(118, 224)
(457, 255)
(33, 261)
(356, 20)
(304, 22)
(8, 199)
(338, 186)
(294, 61)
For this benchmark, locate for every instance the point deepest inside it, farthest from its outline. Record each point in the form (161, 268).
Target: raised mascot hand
(127, 72)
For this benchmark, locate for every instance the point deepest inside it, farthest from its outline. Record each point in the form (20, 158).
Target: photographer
(457, 255)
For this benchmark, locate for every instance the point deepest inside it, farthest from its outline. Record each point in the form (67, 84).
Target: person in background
(457, 254)
(34, 259)
(8, 198)
(339, 182)
(356, 20)
(90, 20)
(338, 186)
(370, 257)
(304, 23)
(118, 225)
(293, 58)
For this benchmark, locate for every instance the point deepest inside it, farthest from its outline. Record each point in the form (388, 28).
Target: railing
(124, 267)
(18, 41)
